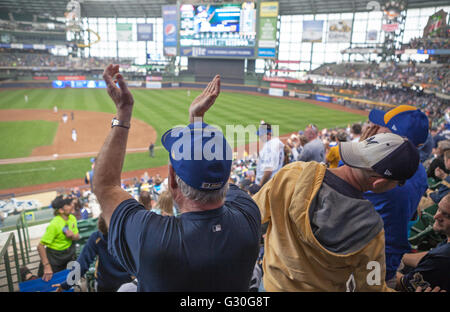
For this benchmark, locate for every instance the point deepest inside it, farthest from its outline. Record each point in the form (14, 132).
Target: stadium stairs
(85, 227)
(32, 265)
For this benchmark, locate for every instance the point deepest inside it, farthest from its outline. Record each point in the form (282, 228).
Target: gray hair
(203, 197)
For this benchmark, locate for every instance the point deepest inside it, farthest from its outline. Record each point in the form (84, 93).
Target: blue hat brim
(376, 116)
(170, 137)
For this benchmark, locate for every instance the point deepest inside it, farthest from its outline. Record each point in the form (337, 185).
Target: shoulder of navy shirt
(213, 250)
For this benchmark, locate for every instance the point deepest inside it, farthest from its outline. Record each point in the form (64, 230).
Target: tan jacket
(294, 260)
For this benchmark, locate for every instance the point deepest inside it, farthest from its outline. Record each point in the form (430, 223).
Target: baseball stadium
(308, 72)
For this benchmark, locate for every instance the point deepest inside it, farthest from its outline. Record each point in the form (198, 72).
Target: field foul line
(61, 156)
(27, 170)
(87, 154)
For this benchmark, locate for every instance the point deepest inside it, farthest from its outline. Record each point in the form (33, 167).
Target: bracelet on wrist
(118, 123)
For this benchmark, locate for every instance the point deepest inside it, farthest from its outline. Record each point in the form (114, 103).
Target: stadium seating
(85, 228)
(422, 236)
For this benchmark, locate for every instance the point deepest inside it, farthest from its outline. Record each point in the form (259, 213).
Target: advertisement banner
(71, 77)
(303, 95)
(339, 30)
(267, 34)
(78, 84)
(39, 46)
(153, 78)
(390, 27)
(278, 85)
(170, 31)
(124, 32)
(372, 35)
(276, 92)
(322, 98)
(283, 80)
(144, 32)
(40, 78)
(153, 85)
(217, 52)
(136, 84)
(312, 31)
(436, 25)
(267, 52)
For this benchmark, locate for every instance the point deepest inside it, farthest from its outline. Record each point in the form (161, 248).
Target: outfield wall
(281, 90)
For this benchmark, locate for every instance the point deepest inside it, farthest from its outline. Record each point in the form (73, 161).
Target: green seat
(433, 183)
(90, 278)
(85, 229)
(422, 237)
(431, 211)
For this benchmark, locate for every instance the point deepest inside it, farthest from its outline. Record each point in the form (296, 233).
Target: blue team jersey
(214, 250)
(433, 268)
(109, 274)
(397, 207)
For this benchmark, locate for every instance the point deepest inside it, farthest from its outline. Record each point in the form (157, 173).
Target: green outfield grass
(162, 109)
(22, 136)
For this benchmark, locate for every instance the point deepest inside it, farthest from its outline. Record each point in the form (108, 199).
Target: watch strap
(118, 123)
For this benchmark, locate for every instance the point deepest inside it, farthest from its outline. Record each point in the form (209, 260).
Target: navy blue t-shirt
(214, 250)
(109, 274)
(433, 268)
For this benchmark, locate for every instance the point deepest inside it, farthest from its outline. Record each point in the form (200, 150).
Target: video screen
(79, 84)
(227, 25)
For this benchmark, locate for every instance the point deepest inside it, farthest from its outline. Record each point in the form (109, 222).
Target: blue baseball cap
(404, 120)
(264, 129)
(199, 155)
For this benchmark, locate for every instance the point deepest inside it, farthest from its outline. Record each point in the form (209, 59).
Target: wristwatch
(116, 122)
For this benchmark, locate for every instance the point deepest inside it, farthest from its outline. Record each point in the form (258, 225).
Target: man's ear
(378, 182)
(172, 181)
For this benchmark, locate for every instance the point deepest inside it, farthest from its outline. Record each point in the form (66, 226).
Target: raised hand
(122, 96)
(205, 100)
(69, 234)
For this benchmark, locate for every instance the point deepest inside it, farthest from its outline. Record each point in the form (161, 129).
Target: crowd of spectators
(435, 75)
(432, 105)
(316, 207)
(35, 59)
(84, 202)
(427, 43)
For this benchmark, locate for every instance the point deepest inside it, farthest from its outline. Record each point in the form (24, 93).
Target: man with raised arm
(214, 243)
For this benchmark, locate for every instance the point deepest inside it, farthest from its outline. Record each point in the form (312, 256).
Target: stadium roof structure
(152, 8)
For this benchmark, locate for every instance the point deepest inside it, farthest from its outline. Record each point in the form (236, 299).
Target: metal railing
(4, 256)
(24, 238)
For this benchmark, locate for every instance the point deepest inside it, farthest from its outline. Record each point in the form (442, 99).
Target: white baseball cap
(390, 155)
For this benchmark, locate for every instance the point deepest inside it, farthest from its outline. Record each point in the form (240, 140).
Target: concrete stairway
(33, 265)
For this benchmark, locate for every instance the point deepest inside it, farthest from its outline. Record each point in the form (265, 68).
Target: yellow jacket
(294, 260)
(333, 157)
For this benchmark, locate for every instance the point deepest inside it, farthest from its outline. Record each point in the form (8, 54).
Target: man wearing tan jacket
(322, 234)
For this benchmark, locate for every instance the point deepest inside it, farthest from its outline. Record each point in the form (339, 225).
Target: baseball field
(37, 147)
